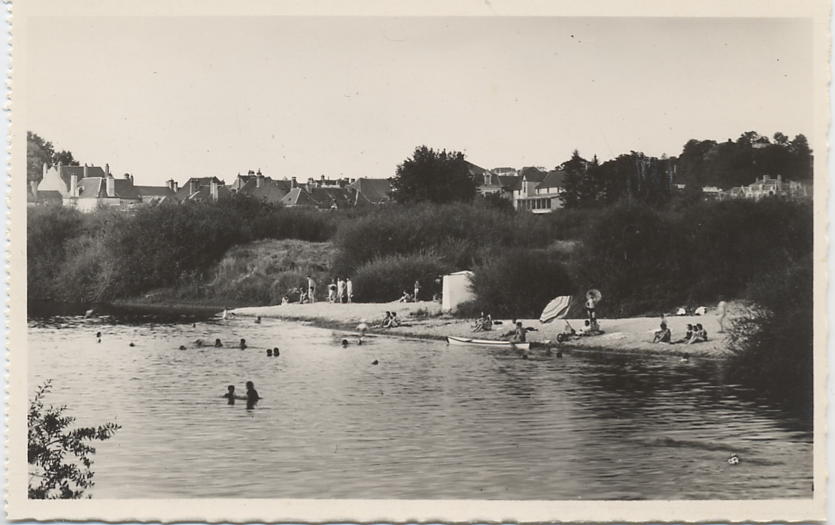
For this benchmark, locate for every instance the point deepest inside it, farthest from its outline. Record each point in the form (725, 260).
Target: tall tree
(40, 151)
(436, 176)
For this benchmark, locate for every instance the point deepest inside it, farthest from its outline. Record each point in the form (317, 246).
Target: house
(769, 187)
(36, 197)
(203, 189)
(373, 192)
(154, 195)
(543, 196)
(91, 192)
(524, 193)
(261, 187)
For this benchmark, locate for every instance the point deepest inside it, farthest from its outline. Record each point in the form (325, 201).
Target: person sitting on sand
(405, 298)
(699, 335)
(394, 322)
(478, 324)
(252, 396)
(586, 329)
(512, 331)
(488, 322)
(519, 334)
(663, 334)
(386, 320)
(687, 335)
(285, 300)
(567, 333)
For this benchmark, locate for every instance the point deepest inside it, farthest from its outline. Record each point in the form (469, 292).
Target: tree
(436, 176)
(40, 151)
(573, 189)
(60, 458)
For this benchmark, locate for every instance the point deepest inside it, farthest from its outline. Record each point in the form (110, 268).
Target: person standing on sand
(340, 290)
(311, 290)
(332, 291)
(417, 290)
(349, 289)
(722, 312)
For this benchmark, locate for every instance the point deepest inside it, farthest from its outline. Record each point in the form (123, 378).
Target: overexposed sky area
(181, 97)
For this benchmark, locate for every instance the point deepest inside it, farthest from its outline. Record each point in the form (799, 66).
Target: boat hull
(465, 341)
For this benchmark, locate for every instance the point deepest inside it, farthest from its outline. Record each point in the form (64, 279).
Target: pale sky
(182, 97)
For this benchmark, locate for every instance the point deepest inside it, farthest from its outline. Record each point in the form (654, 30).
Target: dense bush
(648, 261)
(386, 278)
(519, 284)
(773, 346)
(462, 234)
(48, 232)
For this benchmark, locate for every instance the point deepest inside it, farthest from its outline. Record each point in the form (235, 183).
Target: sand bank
(424, 320)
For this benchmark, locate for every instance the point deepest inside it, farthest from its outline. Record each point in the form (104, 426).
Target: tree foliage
(60, 457)
(40, 151)
(434, 176)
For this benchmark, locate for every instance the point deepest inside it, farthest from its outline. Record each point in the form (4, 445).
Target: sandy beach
(620, 335)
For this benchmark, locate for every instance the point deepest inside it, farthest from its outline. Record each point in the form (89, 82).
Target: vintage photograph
(525, 258)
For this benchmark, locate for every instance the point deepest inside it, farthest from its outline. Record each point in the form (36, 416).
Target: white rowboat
(465, 341)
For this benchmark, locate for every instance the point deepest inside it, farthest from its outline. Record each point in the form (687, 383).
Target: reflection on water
(429, 421)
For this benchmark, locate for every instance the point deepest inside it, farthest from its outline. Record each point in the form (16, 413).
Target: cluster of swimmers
(696, 333)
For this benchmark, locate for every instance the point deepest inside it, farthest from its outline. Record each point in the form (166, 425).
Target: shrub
(773, 346)
(384, 279)
(518, 284)
(60, 457)
(48, 232)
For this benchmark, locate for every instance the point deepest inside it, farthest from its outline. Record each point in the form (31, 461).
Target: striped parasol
(556, 309)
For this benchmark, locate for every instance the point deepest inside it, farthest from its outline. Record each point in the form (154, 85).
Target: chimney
(293, 182)
(84, 175)
(259, 180)
(74, 185)
(107, 170)
(213, 189)
(111, 183)
(129, 179)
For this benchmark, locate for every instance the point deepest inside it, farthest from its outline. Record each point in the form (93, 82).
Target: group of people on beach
(484, 323)
(339, 290)
(409, 298)
(695, 333)
(390, 320)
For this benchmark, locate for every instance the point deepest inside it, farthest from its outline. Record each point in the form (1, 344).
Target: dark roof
(554, 179)
(326, 197)
(375, 191)
(124, 189)
(532, 174)
(45, 197)
(299, 197)
(68, 171)
(154, 191)
(96, 188)
(268, 192)
(511, 182)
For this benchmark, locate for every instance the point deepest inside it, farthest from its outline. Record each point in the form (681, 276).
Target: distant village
(532, 189)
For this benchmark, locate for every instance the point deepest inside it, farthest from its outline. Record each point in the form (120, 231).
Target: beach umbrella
(556, 309)
(595, 295)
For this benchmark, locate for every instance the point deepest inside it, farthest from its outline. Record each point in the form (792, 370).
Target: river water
(428, 421)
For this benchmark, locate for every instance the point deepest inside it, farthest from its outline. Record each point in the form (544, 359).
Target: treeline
(109, 255)
(635, 177)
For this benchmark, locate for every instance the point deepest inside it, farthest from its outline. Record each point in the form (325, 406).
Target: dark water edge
(126, 312)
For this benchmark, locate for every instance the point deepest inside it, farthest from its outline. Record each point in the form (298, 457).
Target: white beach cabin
(457, 289)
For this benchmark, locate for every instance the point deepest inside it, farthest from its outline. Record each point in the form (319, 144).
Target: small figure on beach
(687, 335)
(340, 290)
(89, 313)
(363, 327)
(349, 290)
(519, 334)
(721, 313)
(417, 290)
(405, 298)
(311, 290)
(332, 291)
(663, 334)
(218, 344)
(252, 396)
(242, 344)
(225, 313)
(699, 334)
(285, 300)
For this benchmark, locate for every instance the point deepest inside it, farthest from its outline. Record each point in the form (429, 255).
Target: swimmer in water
(258, 320)
(230, 395)
(242, 345)
(252, 396)
(344, 343)
(275, 352)
(269, 352)
(198, 343)
(218, 344)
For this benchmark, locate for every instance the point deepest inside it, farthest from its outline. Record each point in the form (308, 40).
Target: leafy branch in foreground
(59, 456)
